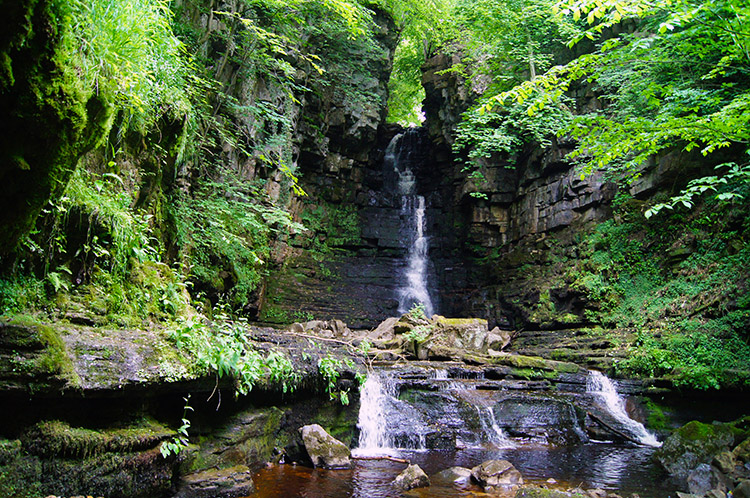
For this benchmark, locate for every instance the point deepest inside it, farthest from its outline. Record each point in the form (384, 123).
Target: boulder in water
(494, 474)
(412, 477)
(323, 449)
(536, 492)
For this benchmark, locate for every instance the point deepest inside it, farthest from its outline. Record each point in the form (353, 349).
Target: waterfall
(399, 156)
(371, 422)
(605, 391)
(494, 433)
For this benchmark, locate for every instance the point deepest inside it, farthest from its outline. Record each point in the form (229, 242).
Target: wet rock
(596, 493)
(725, 462)
(691, 445)
(742, 451)
(742, 490)
(540, 416)
(453, 474)
(496, 474)
(412, 477)
(703, 479)
(233, 482)
(323, 449)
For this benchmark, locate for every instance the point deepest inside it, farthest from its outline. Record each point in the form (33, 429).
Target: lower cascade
(409, 408)
(605, 390)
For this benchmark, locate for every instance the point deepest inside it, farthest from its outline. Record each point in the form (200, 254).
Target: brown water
(622, 469)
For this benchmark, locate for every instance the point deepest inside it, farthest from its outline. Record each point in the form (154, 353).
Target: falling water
(413, 290)
(372, 421)
(605, 390)
(494, 433)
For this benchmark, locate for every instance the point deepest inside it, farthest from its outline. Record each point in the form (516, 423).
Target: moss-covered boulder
(536, 492)
(54, 458)
(693, 444)
(323, 449)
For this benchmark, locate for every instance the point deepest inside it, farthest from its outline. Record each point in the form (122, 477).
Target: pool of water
(623, 469)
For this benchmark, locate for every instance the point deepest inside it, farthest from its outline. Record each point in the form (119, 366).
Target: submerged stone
(323, 449)
(412, 477)
(453, 474)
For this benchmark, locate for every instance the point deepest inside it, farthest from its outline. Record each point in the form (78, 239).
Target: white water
(372, 422)
(605, 390)
(494, 432)
(413, 289)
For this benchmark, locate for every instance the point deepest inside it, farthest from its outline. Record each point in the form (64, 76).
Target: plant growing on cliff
(223, 348)
(180, 441)
(330, 369)
(680, 79)
(128, 52)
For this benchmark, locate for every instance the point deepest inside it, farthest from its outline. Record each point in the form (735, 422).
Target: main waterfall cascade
(413, 288)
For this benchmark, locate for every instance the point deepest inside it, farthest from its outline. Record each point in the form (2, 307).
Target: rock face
(554, 420)
(234, 482)
(494, 474)
(412, 477)
(323, 449)
(110, 445)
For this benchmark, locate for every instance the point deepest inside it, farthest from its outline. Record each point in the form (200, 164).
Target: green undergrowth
(679, 283)
(224, 348)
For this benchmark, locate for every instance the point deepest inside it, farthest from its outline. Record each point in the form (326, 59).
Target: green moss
(57, 439)
(655, 417)
(696, 431)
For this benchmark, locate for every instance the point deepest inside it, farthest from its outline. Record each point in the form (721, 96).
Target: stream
(576, 433)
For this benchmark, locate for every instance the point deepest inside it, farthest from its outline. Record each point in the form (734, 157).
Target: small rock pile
(709, 460)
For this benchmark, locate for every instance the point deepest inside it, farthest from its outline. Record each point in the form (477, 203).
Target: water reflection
(625, 469)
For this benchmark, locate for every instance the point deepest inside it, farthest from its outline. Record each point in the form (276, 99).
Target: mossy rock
(535, 492)
(35, 357)
(693, 444)
(104, 471)
(53, 438)
(50, 119)
(528, 363)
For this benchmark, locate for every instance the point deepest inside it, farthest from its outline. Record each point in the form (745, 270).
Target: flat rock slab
(234, 482)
